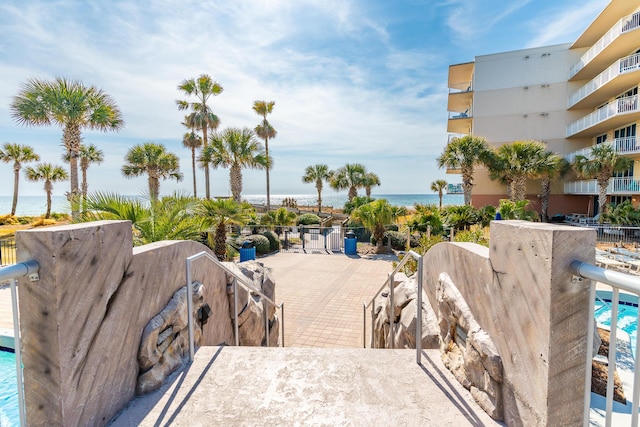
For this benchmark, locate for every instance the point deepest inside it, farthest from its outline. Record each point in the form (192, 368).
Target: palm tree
(174, 217)
(48, 173)
(438, 186)
(73, 106)
(500, 170)
(374, 216)
(153, 160)
(235, 148)
(601, 164)
(317, 173)
(221, 213)
(202, 117)
(350, 176)
(265, 131)
(370, 179)
(192, 141)
(522, 159)
(552, 166)
(88, 154)
(18, 154)
(464, 153)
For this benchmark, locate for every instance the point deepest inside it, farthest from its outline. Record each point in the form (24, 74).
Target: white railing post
(17, 348)
(419, 314)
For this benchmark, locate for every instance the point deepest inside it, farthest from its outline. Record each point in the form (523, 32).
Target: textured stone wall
(81, 323)
(520, 292)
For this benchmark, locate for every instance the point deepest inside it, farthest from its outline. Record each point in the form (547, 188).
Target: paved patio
(323, 295)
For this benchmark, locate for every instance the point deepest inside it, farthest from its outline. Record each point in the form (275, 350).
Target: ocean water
(37, 205)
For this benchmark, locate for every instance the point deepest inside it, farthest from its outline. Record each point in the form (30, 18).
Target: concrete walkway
(323, 295)
(249, 386)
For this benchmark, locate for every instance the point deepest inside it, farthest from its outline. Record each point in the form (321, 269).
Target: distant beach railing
(7, 251)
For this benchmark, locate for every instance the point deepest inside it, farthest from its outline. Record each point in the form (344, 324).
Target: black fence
(7, 251)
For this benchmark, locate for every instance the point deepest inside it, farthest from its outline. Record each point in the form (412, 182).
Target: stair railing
(389, 283)
(237, 280)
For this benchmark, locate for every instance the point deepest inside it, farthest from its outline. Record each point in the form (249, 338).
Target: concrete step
(251, 386)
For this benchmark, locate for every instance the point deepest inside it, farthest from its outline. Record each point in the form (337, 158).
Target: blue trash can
(247, 251)
(350, 243)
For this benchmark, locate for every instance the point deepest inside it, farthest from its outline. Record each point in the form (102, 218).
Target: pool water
(9, 415)
(627, 319)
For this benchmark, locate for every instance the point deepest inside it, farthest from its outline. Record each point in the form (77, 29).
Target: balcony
(461, 76)
(460, 122)
(612, 44)
(624, 146)
(613, 80)
(615, 113)
(626, 185)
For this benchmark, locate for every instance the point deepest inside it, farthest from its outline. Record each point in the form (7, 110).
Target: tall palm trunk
(205, 143)
(440, 197)
(235, 181)
(467, 184)
(545, 192)
(16, 179)
(367, 190)
(154, 187)
(319, 188)
(48, 188)
(379, 236)
(72, 140)
(193, 166)
(353, 192)
(220, 248)
(519, 186)
(266, 150)
(603, 183)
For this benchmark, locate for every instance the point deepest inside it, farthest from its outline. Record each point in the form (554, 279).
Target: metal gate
(309, 239)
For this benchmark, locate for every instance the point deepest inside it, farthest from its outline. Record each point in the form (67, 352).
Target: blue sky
(353, 80)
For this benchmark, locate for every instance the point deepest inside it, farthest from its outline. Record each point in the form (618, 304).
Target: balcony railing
(624, 65)
(626, 24)
(625, 185)
(463, 115)
(625, 145)
(627, 104)
(460, 87)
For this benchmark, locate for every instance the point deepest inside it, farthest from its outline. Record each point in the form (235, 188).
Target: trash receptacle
(350, 243)
(247, 251)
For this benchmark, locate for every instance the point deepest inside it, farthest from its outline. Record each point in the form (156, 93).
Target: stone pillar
(520, 292)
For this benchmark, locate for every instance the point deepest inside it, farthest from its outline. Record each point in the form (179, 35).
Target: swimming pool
(627, 314)
(9, 415)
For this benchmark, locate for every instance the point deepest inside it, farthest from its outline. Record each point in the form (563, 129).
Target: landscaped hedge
(274, 242)
(308, 219)
(260, 242)
(398, 240)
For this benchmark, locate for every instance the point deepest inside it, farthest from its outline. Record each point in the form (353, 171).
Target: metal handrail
(11, 273)
(617, 280)
(389, 282)
(236, 279)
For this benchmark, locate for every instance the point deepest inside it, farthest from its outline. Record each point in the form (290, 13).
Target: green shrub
(260, 242)
(426, 216)
(308, 219)
(357, 201)
(475, 235)
(274, 242)
(232, 253)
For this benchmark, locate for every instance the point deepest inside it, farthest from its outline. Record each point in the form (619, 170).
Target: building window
(601, 138)
(625, 132)
(616, 200)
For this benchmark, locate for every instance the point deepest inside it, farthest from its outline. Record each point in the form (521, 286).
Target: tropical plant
(274, 242)
(426, 216)
(48, 173)
(351, 177)
(551, 167)
(235, 148)
(88, 154)
(438, 186)
(221, 213)
(192, 141)
(474, 235)
(202, 116)
(279, 218)
(74, 107)
(265, 131)
(260, 242)
(173, 217)
(520, 160)
(623, 214)
(369, 180)
(374, 216)
(510, 209)
(460, 217)
(355, 203)
(317, 174)
(464, 153)
(17, 154)
(601, 164)
(153, 160)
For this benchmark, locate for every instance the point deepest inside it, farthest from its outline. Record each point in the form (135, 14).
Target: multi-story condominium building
(569, 96)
